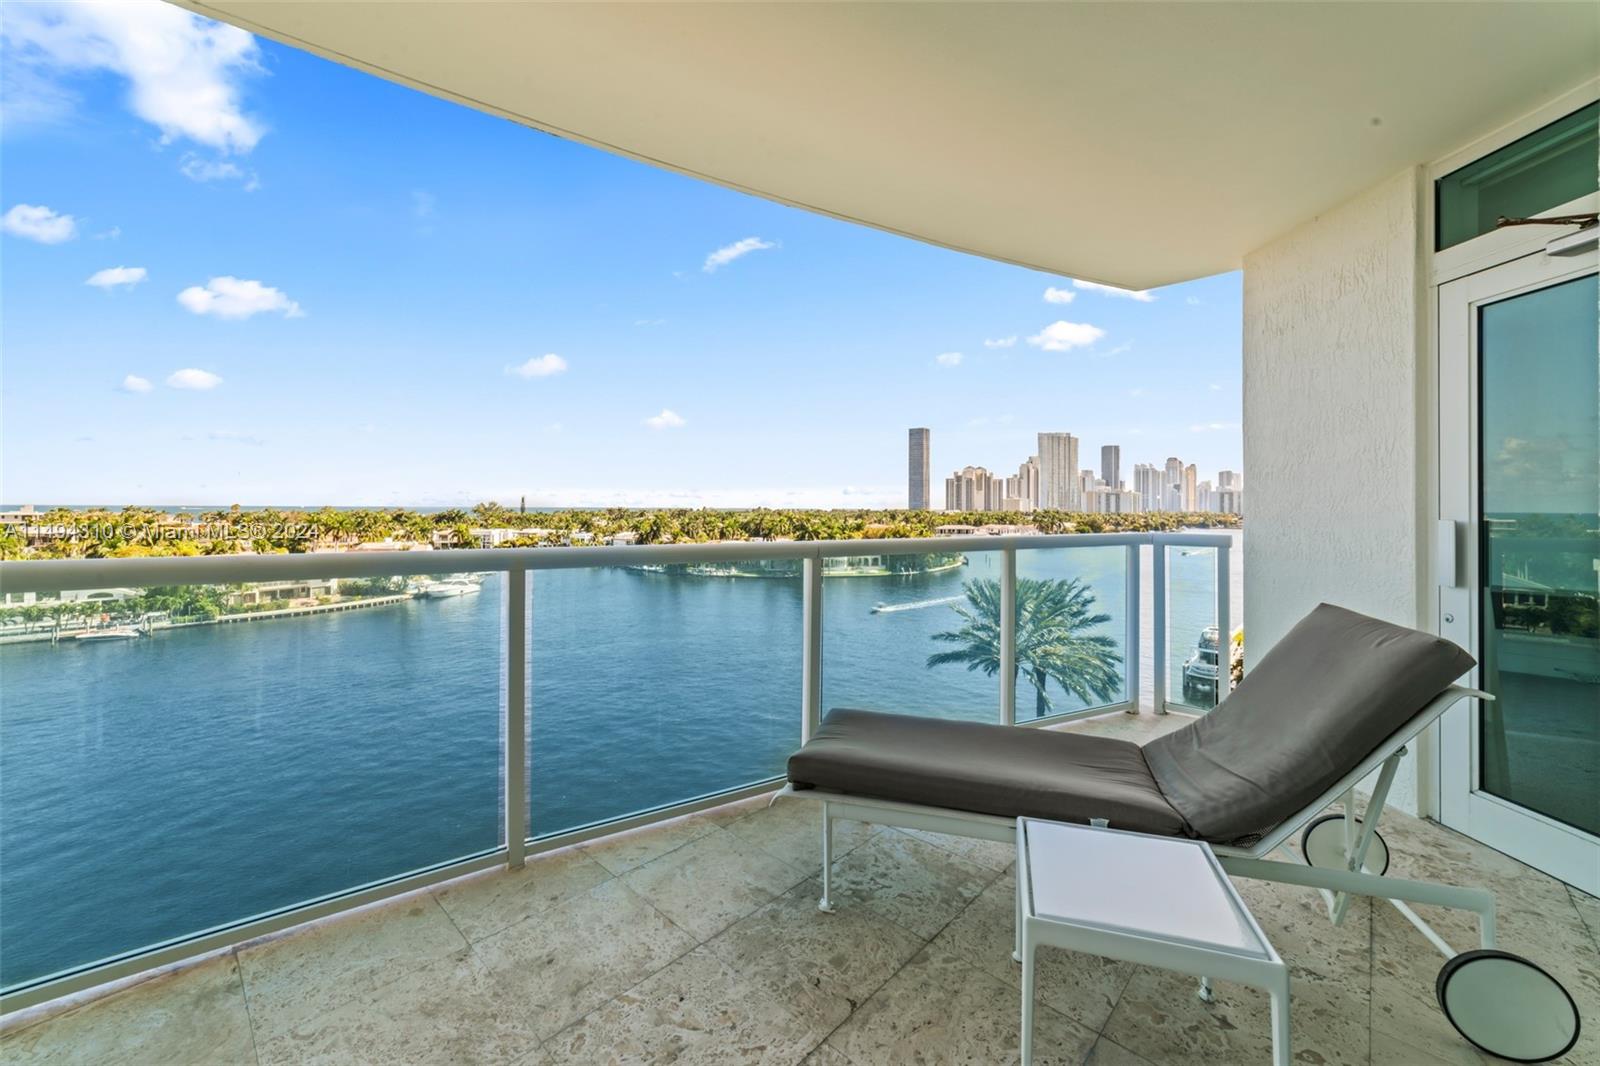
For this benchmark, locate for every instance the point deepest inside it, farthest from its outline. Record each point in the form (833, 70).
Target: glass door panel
(1539, 550)
(1519, 489)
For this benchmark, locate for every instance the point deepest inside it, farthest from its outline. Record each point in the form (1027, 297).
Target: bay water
(151, 789)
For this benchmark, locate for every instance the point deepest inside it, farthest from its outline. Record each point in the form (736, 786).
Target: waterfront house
(1354, 160)
(290, 591)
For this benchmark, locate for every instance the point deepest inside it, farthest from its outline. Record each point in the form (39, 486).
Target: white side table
(1156, 901)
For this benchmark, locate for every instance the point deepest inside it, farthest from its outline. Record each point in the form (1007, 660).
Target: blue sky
(353, 293)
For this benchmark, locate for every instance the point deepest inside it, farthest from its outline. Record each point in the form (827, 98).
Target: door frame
(1542, 842)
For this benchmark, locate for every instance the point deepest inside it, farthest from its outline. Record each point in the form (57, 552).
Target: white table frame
(1268, 973)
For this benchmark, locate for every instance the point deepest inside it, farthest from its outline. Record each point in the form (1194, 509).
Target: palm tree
(1055, 639)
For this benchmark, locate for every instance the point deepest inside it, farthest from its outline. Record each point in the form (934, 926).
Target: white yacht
(450, 587)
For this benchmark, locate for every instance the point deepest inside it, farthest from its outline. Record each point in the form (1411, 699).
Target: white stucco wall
(1331, 417)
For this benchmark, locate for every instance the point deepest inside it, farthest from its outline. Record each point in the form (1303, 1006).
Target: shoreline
(71, 636)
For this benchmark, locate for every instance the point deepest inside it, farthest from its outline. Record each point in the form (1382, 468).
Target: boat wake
(891, 608)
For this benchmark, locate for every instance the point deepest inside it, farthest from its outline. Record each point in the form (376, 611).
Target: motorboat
(450, 588)
(108, 633)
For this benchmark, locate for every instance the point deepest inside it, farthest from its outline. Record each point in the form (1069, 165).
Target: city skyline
(306, 262)
(1050, 479)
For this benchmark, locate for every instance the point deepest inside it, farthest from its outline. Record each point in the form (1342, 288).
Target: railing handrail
(61, 575)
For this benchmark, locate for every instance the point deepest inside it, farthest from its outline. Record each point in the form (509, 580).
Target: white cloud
(1136, 393)
(112, 277)
(36, 223)
(729, 252)
(135, 383)
(649, 321)
(190, 378)
(1193, 301)
(1053, 295)
(196, 168)
(109, 235)
(1001, 342)
(1065, 336)
(667, 419)
(184, 72)
(1212, 427)
(539, 366)
(1144, 296)
(1214, 388)
(948, 359)
(230, 297)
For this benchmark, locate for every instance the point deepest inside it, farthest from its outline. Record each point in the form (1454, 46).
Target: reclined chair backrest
(1325, 697)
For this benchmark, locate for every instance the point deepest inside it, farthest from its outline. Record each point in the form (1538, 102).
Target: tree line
(144, 531)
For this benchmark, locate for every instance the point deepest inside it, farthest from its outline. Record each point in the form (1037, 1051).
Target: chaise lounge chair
(1337, 699)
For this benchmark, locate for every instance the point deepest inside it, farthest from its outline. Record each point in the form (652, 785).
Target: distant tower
(1058, 472)
(1172, 494)
(920, 474)
(1111, 465)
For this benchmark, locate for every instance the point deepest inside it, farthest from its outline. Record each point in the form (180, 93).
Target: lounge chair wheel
(1322, 844)
(1505, 1005)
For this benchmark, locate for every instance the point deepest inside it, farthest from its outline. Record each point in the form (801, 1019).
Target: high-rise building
(1205, 499)
(1190, 474)
(1147, 486)
(1111, 465)
(1087, 483)
(1230, 501)
(1028, 482)
(1103, 499)
(972, 488)
(1172, 486)
(920, 476)
(1058, 471)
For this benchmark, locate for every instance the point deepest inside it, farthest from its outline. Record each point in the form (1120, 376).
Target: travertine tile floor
(700, 941)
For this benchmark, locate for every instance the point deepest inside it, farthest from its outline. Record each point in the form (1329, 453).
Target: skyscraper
(1058, 471)
(1111, 465)
(1147, 485)
(918, 487)
(973, 488)
(1172, 487)
(1190, 476)
(1028, 481)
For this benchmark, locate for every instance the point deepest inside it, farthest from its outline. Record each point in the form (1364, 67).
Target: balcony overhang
(1135, 144)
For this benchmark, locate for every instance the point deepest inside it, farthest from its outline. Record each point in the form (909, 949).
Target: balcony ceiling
(1135, 144)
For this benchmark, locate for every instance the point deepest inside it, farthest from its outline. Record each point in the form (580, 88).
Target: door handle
(1444, 553)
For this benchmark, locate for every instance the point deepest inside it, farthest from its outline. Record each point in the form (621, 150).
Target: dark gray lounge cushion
(1324, 698)
(989, 769)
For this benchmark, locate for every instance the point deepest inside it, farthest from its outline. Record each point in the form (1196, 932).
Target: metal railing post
(1133, 651)
(516, 723)
(1158, 607)
(811, 647)
(1008, 636)
(1224, 625)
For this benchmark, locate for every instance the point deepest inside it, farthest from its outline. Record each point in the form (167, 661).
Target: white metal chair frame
(1335, 885)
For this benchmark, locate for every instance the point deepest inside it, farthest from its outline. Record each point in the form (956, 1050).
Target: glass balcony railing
(1196, 654)
(913, 634)
(196, 751)
(1076, 641)
(656, 686)
(187, 757)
